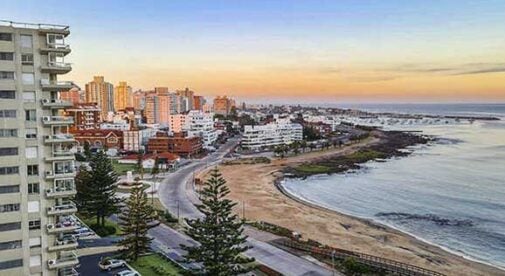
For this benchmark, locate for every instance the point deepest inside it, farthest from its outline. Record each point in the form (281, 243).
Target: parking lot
(88, 265)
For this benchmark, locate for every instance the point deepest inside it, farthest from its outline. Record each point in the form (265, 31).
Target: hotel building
(36, 167)
(273, 134)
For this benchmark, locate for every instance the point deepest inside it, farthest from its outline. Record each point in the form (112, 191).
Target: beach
(253, 185)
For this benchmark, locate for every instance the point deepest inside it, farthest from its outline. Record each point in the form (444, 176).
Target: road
(177, 194)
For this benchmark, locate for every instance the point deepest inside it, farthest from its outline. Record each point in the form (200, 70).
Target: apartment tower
(102, 93)
(122, 96)
(36, 167)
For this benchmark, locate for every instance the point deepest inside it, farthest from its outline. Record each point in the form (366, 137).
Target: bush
(169, 217)
(351, 266)
(103, 231)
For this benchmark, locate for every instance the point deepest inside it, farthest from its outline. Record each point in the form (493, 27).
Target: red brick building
(100, 138)
(86, 116)
(178, 144)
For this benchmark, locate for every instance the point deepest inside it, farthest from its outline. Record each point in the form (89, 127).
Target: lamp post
(333, 262)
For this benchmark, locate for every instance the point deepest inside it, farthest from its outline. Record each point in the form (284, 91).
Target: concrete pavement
(177, 194)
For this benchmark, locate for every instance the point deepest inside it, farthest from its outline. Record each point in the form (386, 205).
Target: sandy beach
(253, 185)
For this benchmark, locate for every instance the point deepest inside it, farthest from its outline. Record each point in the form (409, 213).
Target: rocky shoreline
(391, 144)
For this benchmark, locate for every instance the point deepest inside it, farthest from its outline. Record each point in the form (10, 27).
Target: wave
(440, 221)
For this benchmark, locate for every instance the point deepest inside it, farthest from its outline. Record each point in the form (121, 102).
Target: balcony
(53, 47)
(48, 85)
(55, 103)
(70, 173)
(59, 138)
(63, 209)
(68, 271)
(60, 155)
(64, 244)
(61, 228)
(66, 259)
(56, 67)
(57, 120)
(61, 192)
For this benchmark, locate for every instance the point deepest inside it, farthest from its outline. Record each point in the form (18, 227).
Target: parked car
(109, 264)
(127, 273)
(82, 232)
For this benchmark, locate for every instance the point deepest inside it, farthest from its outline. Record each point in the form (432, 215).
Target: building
(198, 102)
(102, 93)
(166, 160)
(86, 116)
(138, 100)
(273, 134)
(100, 138)
(177, 122)
(223, 105)
(73, 95)
(151, 108)
(122, 96)
(178, 144)
(36, 165)
(132, 140)
(201, 124)
(186, 99)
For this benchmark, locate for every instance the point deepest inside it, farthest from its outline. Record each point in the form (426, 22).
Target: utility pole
(333, 262)
(177, 209)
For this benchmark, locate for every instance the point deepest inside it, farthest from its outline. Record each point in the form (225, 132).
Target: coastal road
(178, 195)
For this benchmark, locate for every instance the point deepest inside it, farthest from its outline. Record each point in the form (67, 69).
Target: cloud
(459, 69)
(496, 69)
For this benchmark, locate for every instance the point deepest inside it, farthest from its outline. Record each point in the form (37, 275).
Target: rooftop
(33, 25)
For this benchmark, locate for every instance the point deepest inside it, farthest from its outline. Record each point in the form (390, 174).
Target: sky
(341, 51)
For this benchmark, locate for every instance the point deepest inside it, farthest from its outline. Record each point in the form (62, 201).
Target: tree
(96, 189)
(280, 150)
(312, 146)
(154, 172)
(303, 145)
(140, 166)
(295, 146)
(136, 218)
(87, 151)
(219, 232)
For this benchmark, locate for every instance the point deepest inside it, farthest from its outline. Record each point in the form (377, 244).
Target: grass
(151, 265)
(308, 168)
(165, 216)
(111, 228)
(123, 168)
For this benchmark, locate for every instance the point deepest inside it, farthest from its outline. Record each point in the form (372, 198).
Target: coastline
(257, 187)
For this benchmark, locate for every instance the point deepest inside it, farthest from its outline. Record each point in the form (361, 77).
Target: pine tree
(96, 189)
(87, 151)
(140, 166)
(219, 232)
(136, 218)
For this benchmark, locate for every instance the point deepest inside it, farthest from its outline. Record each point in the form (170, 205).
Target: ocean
(450, 193)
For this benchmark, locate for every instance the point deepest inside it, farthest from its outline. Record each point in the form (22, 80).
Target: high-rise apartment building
(73, 95)
(138, 100)
(122, 96)
(36, 167)
(223, 105)
(186, 99)
(102, 93)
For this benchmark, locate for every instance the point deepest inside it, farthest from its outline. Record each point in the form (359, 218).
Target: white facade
(115, 126)
(201, 124)
(256, 137)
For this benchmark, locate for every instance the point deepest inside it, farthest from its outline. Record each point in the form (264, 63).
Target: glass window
(6, 56)
(27, 59)
(11, 264)
(10, 226)
(8, 151)
(33, 188)
(10, 245)
(8, 113)
(6, 208)
(28, 78)
(9, 132)
(6, 36)
(9, 189)
(31, 152)
(29, 97)
(30, 115)
(33, 206)
(55, 39)
(7, 94)
(31, 133)
(34, 224)
(26, 41)
(32, 169)
(9, 170)
(6, 75)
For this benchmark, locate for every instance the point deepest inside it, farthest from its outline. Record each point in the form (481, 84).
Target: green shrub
(353, 267)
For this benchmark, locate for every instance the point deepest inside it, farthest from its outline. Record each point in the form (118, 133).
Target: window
(9, 189)
(10, 245)
(5, 36)
(9, 170)
(29, 97)
(34, 224)
(30, 115)
(8, 113)
(33, 206)
(10, 226)
(6, 56)
(7, 94)
(32, 169)
(9, 132)
(28, 78)
(26, 41)
(6, 75)
(35, 260)
(55, 39)
(6, 208)
(33, 188)
(11, 264)
(31, 133)
(31, 152)
(27, 59)
(35, 242)
(8, 151)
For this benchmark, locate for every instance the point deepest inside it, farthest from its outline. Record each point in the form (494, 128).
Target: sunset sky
(400, 51)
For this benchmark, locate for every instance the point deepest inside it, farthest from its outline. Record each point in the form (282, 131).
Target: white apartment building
(36, 164)
(273, 134)
(195, 123)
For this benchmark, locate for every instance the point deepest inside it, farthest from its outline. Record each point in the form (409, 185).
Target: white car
(127, 273)
(110, 264)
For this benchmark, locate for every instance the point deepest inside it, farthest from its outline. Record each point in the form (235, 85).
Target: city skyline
(347, 51)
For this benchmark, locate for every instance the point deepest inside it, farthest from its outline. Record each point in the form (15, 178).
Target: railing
(57, 152)
(374, 261)
(58, 64)
(60, 191)
(33, 26)
(63, 207)
(59, 136)
(58, 119)
(67, 271)
(58, 46)
(49, 82)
